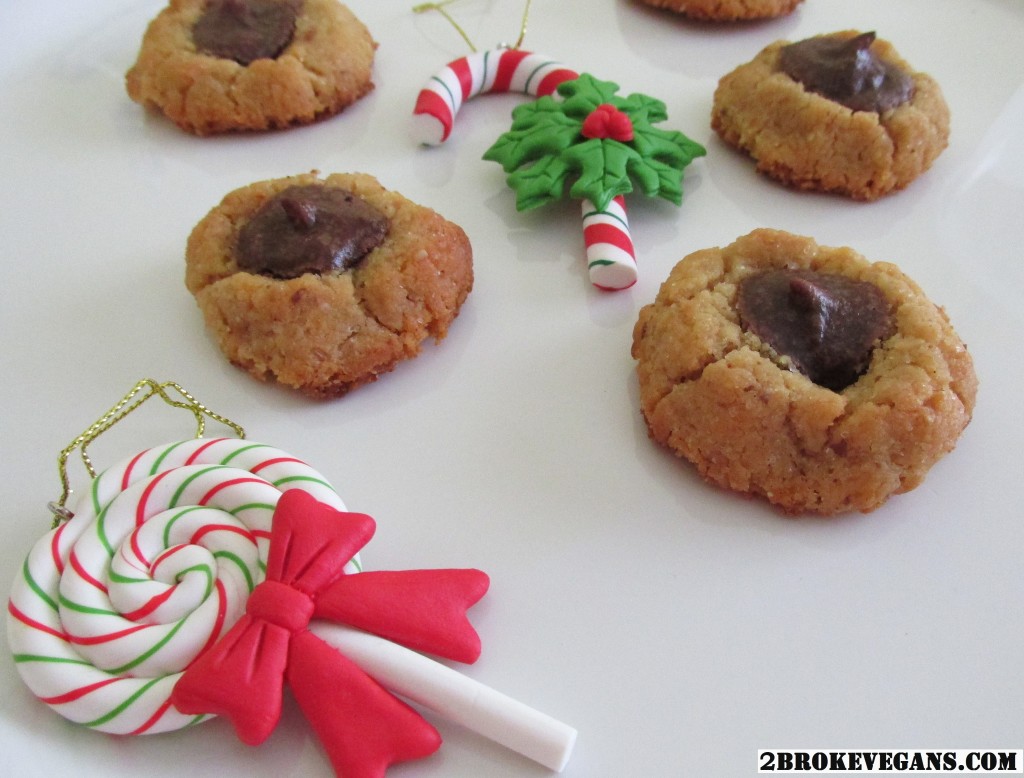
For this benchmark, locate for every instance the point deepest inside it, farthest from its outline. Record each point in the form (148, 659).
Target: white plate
(678, 627)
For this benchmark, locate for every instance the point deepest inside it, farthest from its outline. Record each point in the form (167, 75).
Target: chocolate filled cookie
(800, 373)
(837, 113)
(727, 10)
(324, 284)
(215, 66)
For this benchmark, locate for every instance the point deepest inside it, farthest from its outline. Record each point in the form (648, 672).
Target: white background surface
(678, 627)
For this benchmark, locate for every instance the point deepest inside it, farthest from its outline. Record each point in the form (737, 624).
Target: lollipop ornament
(578, 138)
(201, 577)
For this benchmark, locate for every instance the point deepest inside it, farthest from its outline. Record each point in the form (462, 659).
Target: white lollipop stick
(454, 696)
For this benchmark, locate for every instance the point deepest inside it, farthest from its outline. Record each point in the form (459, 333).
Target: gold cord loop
(142, 391)
(522, 26)
(440, 8)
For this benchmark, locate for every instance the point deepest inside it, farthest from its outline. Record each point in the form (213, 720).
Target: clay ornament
(200, 577)
(579, 137)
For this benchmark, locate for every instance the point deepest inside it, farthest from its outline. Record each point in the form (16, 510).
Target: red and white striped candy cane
(483, 72)
(611, 261)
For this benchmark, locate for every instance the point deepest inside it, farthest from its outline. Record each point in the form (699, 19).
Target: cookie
(727, 10)
(341, 313)
(800, 132)
(729, 401)
(214, 66)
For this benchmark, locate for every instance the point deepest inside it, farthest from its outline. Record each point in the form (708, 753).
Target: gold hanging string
(440, 8)
(522, 26)
(142, 391)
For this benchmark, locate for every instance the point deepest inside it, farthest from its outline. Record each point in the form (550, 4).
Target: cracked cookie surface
(727, 10)
(713, 393)
(326, 66)
(325, 334)
(808, 141)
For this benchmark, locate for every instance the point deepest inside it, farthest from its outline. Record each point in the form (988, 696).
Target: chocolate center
(245, 30)
(848, 72)
(309, 229)
(827, 324)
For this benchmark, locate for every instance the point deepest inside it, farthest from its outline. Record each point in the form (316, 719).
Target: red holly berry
(607, 121)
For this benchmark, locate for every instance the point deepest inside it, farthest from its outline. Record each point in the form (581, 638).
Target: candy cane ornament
(611, 259)
(578, 135)
(496, 71)
(513, 70)
(116, 612)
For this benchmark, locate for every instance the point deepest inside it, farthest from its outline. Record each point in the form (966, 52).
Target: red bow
(361, 725)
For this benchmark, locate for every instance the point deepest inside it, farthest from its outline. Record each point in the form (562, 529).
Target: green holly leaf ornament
(539, 183)
(603, 170)
(592, 144)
